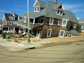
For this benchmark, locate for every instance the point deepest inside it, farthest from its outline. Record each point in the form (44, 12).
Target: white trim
(51, 20)
(33, 21)
(49, 33)
(35, 2)
(62, 34)
(37, 9)
(59, 22)
(63, 22)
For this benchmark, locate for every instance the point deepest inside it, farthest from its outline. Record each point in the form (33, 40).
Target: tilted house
(50, 19)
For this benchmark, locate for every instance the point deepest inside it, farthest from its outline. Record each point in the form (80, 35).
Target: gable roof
(50, 11)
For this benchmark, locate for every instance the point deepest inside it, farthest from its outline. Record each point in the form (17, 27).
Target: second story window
(36, 9)
(59, 22)
(51, 21)
(64, 22)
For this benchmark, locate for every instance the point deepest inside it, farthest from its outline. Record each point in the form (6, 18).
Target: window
(59, 22)
(11, 18)
(49, 32)
(51, 21)
(20, 18)
(61, 33)
(36, 9)
(64, 22)
(58, 12)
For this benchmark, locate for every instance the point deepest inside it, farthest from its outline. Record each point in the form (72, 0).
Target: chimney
(55, 1)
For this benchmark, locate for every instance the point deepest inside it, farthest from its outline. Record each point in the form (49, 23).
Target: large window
(59, 22)
(49, 32)
(61, 33)
(64, 22)
(51, 21)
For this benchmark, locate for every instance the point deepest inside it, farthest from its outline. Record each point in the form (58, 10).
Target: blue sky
(20, 6)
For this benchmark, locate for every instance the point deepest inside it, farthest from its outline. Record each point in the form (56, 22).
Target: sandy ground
(61, 50)
(57, 40)
(72, 53)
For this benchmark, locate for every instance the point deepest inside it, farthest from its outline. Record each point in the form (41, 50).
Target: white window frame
(63, 33)
(63, 22)
(51, 21)
(50, 32)
(59, 23)
(36, 9)
(20, 19)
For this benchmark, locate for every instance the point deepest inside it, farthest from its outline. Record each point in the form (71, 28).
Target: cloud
(78, 10)
(2, 11)
(74, 7)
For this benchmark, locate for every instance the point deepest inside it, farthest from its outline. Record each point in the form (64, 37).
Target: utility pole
(28, 19)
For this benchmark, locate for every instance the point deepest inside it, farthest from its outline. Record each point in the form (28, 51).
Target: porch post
(34, 21)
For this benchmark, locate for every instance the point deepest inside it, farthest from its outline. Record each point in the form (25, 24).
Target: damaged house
(49, 19)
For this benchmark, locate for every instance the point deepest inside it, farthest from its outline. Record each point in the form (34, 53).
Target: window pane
(64, 22)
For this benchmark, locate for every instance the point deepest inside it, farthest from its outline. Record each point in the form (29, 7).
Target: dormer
(39, 5)
(36, 6)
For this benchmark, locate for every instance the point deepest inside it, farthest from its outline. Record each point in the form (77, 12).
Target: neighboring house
(81, 21)
(49, 19)
(9, 25)
(0, 26)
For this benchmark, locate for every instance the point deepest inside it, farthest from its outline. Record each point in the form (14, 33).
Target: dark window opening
(31, 20)
(39, 21)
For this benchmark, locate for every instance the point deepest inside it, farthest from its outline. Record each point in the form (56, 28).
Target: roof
(75, 33)
(49, 11)
(8, 14)
(42, 3)
(81, 20)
